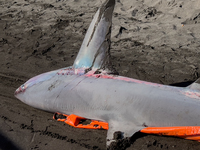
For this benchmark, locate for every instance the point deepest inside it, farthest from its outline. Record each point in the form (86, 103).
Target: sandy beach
(152, 40)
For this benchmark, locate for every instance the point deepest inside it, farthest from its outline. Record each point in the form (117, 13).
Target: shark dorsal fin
(195, 85)
(95, 50)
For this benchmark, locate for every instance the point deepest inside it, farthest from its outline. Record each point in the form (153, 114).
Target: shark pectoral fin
(127, 130)
(195, 85)
(186, 132)
(77, 121)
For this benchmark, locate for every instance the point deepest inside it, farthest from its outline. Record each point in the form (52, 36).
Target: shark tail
(186, 132)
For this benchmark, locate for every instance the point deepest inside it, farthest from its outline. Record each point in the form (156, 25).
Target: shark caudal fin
(195, 85)
(95, 50)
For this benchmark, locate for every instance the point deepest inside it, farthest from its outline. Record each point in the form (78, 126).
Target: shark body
(88, 89)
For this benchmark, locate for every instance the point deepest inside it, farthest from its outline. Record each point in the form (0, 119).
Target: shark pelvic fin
(95, 50)
(195, 85)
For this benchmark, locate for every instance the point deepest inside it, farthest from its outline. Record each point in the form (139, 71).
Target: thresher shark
(90, 90)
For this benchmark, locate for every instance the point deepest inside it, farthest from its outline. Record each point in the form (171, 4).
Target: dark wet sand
(41, 36)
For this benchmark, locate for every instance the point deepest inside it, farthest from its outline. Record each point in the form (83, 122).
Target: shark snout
(17, 91)
(21, 89)
(33, 81)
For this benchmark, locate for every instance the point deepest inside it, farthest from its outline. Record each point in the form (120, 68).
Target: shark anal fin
(186, 132)
(76, 121)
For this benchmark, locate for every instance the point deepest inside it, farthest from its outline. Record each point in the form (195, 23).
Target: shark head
(29, 91)
(41, 91)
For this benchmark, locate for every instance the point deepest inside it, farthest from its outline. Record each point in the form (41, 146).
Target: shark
(91, 89)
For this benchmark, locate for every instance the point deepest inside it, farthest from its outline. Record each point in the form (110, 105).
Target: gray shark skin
(87, 89)
(95, 49)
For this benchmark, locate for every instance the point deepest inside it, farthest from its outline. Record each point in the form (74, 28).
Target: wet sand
(153, 40)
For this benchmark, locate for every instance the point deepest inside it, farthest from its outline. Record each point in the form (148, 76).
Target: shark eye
(23, 87)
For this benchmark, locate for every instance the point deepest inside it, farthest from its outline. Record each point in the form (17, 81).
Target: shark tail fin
(95, 50)
(195, 85)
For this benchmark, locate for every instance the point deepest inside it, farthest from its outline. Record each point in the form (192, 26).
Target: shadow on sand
(6, 144)
(182, 84)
